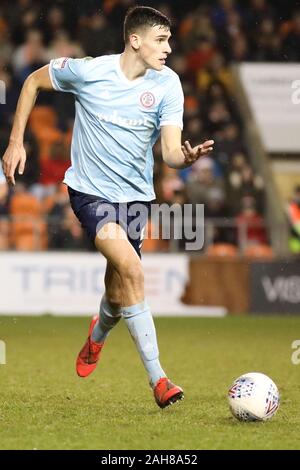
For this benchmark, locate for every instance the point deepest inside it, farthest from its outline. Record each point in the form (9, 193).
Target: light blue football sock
(140, 323)
(108, 318)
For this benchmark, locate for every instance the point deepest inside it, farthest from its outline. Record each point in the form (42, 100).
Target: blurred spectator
(197, 29)
(250, 223)
(239, 49)
(68, 234)
(221, 12)
(201, 181)
(63, 46)
(291, 38)
(258, 11)
(23, 18)
(98, 36)
(54, 23)
(30, 55)
(54, 203)
(216, 92)
(200, 56)
(214, 71)
(115, 11)
(232, 36)
(191, 106)
(267, 42)
(172, 188)
(52, 169)
(216, 208)
(237, 163)
(177, 62)
(31, 173)
(228, 142)
(246, 182)
(194, 131)
(6, 48)
(60, 220)
(293, 211)
(218, 115)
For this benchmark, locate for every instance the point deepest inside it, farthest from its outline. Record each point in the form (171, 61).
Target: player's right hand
(15, 156)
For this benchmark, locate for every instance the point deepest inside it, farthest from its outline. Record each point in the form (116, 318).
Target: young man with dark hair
(122, 103)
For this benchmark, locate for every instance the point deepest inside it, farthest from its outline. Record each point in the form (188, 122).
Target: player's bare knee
(114, 299)
(132, 274)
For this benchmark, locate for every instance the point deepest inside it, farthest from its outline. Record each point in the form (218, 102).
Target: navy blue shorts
(94, 212)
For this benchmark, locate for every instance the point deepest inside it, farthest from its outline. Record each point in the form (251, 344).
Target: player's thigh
(111, 240)
(103, 222)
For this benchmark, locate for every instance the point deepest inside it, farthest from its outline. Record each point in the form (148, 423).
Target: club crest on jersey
(147, 99)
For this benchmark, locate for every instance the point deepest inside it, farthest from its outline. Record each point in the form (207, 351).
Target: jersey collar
(123, 77)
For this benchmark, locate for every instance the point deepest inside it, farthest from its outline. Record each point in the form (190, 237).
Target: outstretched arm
(15, 154)
(176, 155)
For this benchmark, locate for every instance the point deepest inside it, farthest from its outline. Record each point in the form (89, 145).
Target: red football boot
(166, 393)
(89, 355)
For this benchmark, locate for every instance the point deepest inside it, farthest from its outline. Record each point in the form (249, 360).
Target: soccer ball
(253, 397)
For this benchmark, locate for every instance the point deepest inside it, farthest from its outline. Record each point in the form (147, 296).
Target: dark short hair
(140, 17)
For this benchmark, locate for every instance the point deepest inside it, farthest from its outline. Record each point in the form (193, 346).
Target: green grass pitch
(44, 405)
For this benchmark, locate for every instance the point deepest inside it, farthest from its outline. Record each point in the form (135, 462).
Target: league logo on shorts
(147, 99)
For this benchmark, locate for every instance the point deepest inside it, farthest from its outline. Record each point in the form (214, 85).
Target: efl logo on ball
(253, 397)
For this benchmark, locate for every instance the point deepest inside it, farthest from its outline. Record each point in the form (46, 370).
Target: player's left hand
(192, 154)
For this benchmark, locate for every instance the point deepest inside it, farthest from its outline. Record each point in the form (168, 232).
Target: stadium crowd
(207, 38)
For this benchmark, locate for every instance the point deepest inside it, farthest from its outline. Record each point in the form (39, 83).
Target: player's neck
(131, 67)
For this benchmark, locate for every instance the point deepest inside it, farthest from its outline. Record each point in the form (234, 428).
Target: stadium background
(230, 56)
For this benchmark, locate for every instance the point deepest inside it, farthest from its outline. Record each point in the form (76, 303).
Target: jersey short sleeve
(67, 74)
(172, 105)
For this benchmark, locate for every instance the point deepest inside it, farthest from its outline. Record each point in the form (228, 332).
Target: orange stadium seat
(25, 204)
(46, 137)
(259, 251)
(222, 249)
(43, 124)
(42, 116)
(28, 230)
(151, 245)
(4, 234)
(29, 235)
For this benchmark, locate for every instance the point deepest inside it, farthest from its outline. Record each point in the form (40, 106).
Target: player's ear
(135, 41)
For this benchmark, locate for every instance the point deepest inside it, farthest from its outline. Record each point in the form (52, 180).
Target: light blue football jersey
(117, 122)
(2, 177)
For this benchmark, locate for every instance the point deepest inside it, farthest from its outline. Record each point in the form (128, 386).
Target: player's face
(155, 47)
